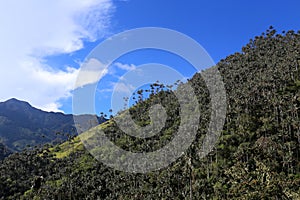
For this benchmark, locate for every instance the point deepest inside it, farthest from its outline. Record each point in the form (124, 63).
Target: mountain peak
(14, 101)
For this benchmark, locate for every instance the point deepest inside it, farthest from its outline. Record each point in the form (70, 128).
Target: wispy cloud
(114, 72)
(126, 67)
(125, 89)
(31, 30)
(91, 72)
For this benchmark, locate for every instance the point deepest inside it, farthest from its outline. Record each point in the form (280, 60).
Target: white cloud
(33, 29)
(91, 72)
(124, 88)
(127, 67)
(114, 72)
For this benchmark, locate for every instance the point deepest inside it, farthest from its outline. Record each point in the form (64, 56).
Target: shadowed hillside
(4, 151)
(22, 125)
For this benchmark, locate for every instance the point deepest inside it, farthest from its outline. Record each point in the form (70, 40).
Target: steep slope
(22, 125)
(4, 151)
(257, 156)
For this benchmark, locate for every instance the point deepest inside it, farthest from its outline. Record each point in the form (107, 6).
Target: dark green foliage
(257, 156)
(4, 151)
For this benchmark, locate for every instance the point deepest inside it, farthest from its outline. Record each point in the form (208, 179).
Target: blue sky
(222, 27)
(43, 44)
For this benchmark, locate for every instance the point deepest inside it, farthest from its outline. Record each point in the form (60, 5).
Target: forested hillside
(256, 157)
(4, 151)
(23, 126)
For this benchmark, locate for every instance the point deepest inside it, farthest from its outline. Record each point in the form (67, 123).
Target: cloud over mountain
(32, 30)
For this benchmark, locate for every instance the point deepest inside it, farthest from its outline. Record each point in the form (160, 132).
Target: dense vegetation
(257, 156)
(23, 126)
(4, 151)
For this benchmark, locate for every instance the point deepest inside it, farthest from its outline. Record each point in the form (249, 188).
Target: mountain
(22, 125)
(4, 151)
(256, 157)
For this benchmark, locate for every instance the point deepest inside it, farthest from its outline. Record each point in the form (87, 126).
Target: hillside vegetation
(256, 157)
(4, 151)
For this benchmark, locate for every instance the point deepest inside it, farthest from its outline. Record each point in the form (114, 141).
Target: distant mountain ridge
(22, 125)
